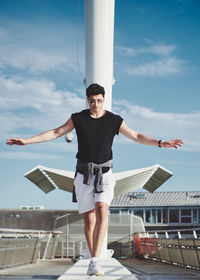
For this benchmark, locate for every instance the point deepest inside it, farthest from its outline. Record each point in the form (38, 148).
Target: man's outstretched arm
(44, 136)
(146, 140)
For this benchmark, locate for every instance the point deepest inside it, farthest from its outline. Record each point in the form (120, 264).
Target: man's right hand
(16, 141)
(44, 136)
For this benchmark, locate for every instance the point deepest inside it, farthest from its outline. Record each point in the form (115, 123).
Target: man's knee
(101, 211)
(89, 219)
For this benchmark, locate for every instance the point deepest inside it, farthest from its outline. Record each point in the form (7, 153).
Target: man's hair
(94, 89)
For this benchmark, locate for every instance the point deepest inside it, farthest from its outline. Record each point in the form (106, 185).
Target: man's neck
(97, 115)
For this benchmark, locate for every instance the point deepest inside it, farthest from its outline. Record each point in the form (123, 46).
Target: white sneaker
(95, 269)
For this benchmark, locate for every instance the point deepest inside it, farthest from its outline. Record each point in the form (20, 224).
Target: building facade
(160, 210)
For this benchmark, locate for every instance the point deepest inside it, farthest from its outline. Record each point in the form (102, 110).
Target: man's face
(96, 102)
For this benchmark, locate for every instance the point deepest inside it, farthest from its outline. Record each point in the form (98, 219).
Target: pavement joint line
(132, 270)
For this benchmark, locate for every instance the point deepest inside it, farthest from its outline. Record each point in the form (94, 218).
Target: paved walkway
(42, 270)
(142, 269)
(150, 270)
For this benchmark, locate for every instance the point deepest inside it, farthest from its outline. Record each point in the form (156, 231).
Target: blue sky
(156, 68)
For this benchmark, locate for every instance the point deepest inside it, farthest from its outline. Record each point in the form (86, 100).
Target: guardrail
(180, 250)
(19, 247)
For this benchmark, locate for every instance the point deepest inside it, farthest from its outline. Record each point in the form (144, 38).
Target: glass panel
(114, 211)
(199, 215)
(139, 213)
(185, 219)
(195, 220)
(174, 216)
(148, 216)
(153, 216)
(159, 216)
(186, 212)
(124, 211)
(165, 216)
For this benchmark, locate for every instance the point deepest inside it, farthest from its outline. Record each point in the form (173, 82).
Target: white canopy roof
(149, 178)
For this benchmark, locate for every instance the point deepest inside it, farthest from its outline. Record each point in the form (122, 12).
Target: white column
(99, 30)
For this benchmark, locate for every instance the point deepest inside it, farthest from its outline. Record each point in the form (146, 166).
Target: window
(124, 211)
(174, 216)
(153, 216)
(185, 215)
(186, 212)
(148, 216)
(185, 220)
(114, 211)
(195, 218)
(165, 216)
(159, 216)
(199, 215)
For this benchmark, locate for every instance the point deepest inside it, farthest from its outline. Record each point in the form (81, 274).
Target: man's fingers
(9, 142)
(173, 143)
(14, 141)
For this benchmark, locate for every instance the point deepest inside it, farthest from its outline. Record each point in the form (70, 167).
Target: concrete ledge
(112, 268)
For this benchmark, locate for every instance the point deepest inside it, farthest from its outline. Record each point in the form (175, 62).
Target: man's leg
(101, 211)
(89, 225)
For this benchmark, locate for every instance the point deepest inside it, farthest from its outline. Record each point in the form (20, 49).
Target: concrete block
(112, 268)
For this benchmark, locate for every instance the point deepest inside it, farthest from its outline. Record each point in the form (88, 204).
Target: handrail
(26, 246)
(174, 230)
(27, 231)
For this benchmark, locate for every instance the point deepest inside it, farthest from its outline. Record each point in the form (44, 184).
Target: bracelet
(159, 142)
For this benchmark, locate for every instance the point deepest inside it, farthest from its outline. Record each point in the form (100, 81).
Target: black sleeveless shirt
(95, 135)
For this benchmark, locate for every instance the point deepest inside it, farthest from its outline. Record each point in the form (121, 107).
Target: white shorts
(86, 197)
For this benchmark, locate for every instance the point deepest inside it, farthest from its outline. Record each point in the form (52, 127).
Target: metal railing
(19, 247)
(177, 247)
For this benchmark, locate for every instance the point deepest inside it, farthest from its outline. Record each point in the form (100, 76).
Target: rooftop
(156, 199)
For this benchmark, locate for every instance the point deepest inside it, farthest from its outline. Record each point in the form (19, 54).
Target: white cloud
(126, 51)
(166, 126)
(162, 50)
(158, 68)
(155, 49)
(161, 60)
(40, 94)
(34, 60)
(35, 49)
(34, 105)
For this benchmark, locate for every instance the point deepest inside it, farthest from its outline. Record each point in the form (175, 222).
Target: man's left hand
(172, 143)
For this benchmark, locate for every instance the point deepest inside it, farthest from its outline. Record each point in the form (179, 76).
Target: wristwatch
(159, 142)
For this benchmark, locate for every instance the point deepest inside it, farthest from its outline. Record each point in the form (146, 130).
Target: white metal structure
(149, 178)
(99, 31)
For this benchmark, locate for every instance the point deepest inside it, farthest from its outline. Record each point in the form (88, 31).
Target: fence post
(195, 234)
(46, 248)
(179, 235)
(36, 245)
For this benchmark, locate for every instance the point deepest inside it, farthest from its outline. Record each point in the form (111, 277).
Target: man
(94, 182)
